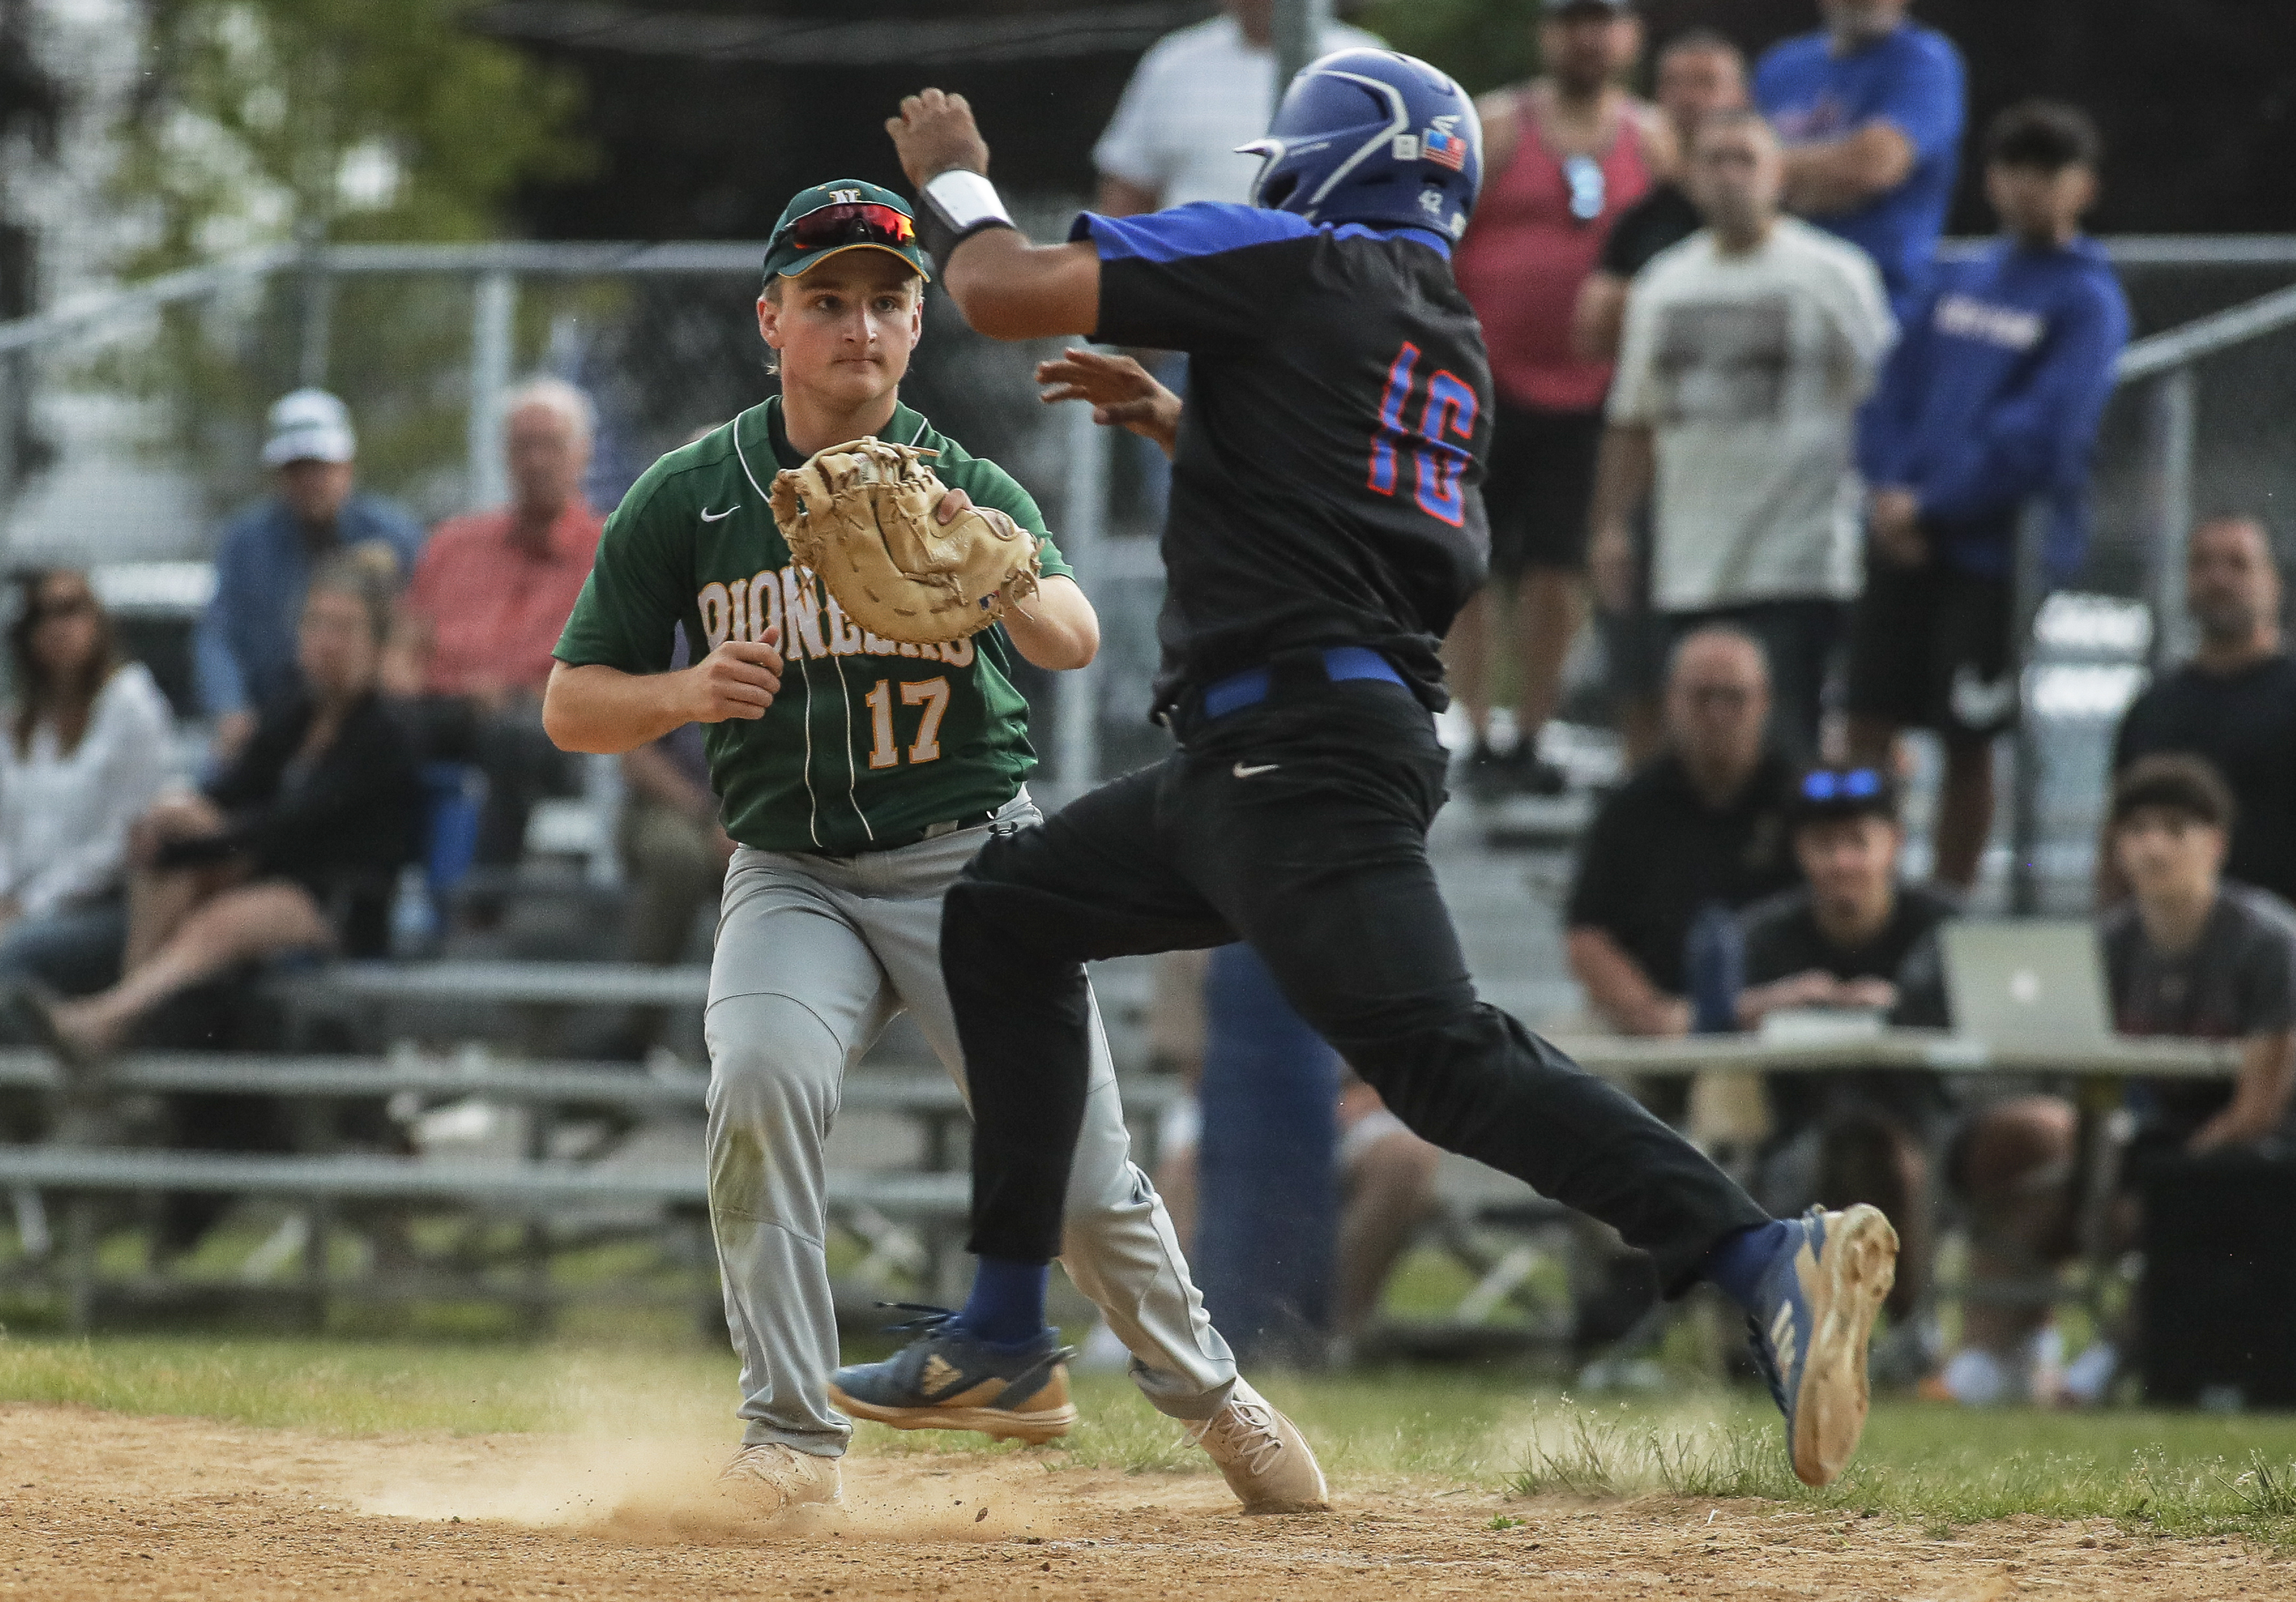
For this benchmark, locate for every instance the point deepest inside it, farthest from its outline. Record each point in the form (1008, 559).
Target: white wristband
(966, 202)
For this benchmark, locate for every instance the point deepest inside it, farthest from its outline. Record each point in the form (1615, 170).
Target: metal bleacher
(547, 1200)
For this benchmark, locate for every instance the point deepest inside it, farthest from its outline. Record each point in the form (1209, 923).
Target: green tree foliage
(266, 120)
(261, 121)
(1482, 42)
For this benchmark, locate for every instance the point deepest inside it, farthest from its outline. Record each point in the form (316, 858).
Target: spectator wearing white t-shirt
(1749, 348)
(1196, 94)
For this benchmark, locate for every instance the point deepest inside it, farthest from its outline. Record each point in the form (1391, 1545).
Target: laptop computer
(2021, 981)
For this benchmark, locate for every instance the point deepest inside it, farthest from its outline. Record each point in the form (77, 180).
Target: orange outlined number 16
(1439, 461)
(930, 693)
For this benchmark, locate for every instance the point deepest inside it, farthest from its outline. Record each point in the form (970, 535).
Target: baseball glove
(861, 516)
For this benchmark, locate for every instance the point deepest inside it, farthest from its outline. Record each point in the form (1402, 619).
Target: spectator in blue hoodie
(1991, 401)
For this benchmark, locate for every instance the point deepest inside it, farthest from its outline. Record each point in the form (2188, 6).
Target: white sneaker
(772, 1477)
(1266, 1460)
(1976, 1379)
(2088, 1377)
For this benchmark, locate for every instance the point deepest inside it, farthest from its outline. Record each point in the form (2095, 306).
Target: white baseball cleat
(1267, 1462)
(772, 1477)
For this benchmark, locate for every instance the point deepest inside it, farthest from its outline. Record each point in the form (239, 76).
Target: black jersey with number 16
(1327, 490)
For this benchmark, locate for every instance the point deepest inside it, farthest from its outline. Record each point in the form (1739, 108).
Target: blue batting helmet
(1373, 136)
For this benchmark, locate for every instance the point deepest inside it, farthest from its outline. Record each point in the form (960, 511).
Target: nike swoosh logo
(1243, 772)
(1979, 704)
(718, 517)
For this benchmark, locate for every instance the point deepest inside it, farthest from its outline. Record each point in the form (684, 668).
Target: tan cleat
(771, 1478)
(1267, 1462)
(1812, 1324)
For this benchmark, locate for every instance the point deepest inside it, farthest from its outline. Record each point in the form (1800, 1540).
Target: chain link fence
(148, 404)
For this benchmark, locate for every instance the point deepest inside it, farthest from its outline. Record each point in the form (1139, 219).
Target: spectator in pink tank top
(1565, 154)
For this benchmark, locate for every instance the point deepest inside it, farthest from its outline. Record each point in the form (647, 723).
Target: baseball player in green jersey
(860, 776)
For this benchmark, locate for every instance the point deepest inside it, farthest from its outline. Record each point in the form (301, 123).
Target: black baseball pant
(1299, 824)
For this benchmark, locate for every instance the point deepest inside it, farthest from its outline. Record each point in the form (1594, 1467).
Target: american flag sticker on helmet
(1443, 147)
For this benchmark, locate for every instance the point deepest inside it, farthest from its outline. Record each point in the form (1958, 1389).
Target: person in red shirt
(1565, 154)
(489, 599)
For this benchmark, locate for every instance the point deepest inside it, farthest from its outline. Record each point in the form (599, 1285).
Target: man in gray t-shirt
(1749, 348)
(2188, 954)
(2236, 981)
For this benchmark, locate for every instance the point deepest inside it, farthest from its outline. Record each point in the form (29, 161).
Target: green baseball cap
(844, 214)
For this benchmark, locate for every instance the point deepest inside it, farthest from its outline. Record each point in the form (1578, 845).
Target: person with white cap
(245, 652)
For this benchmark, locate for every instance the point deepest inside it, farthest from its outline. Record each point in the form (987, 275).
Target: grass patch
(2173, 1473)
(356, 1387)
(1940, 1469)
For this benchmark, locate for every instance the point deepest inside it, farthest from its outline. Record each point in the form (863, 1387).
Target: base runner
(860, 777)
(1326, 526)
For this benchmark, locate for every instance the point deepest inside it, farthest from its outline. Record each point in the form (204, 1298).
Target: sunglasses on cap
(853, 223)
(1824, 784)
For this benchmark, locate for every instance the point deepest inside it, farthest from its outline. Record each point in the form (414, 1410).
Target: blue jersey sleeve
(1203, 277)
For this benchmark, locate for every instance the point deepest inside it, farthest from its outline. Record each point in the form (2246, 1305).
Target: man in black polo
(2235, 702)
(1704, 824)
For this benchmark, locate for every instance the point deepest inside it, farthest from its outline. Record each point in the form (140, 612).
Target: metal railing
(1076, 468)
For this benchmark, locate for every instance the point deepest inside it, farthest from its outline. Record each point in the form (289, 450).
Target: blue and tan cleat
(946, 1379)
(1818, 1301)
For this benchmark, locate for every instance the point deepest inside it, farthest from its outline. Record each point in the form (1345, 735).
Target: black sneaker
(1487, 773)
(1540, 776)
(1492, 774)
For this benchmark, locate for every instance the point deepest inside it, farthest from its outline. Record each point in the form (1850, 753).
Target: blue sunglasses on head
(1858, 783)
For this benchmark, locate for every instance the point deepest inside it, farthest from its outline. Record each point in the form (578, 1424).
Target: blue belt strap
(1251, 686)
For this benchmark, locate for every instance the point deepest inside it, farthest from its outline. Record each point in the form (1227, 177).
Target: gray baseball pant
(814, 956)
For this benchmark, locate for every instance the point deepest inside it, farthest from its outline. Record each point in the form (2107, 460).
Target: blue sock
(1007, 1304)
(1736, 1265)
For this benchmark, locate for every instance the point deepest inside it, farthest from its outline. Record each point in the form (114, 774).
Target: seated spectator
(246, 647)
(1387, 1193)
(489, 596)
(87, 749)
(673, 855)
(296, 846)
(1749, 348)
(1702, 824)
(1855, 937)
(1386, 1174)
(2189, 954)
(1991, 402)
(2234, 704)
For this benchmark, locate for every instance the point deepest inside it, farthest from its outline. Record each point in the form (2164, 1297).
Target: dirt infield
(97, 1503)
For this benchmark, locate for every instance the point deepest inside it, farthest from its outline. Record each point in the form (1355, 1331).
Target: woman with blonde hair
(295, 846)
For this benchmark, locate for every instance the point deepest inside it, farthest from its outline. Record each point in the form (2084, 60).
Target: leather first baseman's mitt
(861, 516)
